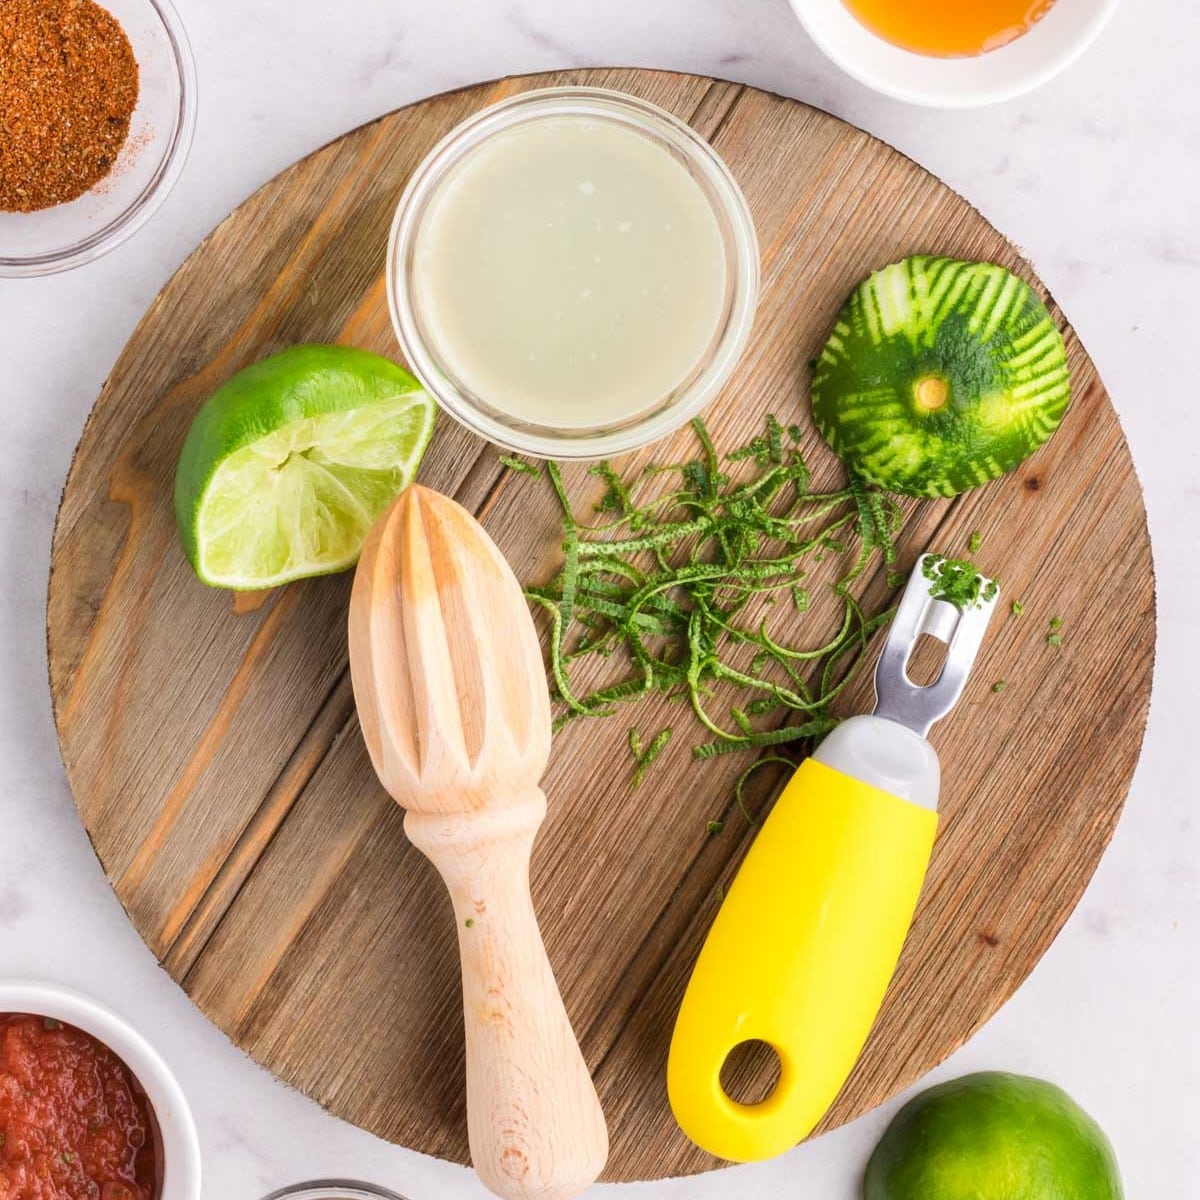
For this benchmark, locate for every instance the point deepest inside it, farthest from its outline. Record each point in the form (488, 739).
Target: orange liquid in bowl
(949, 28)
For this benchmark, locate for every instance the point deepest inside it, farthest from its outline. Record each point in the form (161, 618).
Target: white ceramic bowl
(160, 134)
(1055, 42)
(180, 1146)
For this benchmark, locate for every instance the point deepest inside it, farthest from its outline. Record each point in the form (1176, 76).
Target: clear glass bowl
(160, 134)
(333, 1189)
(741, 275)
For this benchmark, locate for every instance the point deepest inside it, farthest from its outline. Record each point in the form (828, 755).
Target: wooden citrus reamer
(452, 699)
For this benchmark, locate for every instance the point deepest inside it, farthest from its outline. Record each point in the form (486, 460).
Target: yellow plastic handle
(799, 957)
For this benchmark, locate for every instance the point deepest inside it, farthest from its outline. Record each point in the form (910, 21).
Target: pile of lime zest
(958, 582)
(664, 588)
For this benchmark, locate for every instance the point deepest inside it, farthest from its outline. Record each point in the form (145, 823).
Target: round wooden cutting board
(211, 739)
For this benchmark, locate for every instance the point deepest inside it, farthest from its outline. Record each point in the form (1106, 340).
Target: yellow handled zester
(806, 941)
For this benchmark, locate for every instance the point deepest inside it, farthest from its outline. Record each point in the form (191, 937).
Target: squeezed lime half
(286, 466)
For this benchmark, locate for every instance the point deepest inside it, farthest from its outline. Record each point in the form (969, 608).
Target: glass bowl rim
(126, 223)
(334, 1189)
(722, 191)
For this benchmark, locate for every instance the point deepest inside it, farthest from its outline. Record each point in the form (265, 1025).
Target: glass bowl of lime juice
(573, 273)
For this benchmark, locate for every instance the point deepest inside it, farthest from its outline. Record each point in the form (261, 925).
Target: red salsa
(74, 1123)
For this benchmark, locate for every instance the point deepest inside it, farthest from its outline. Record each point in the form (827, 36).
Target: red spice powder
(74, 1125)
(68, 88)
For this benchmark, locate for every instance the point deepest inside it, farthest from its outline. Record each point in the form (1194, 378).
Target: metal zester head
(961, 629)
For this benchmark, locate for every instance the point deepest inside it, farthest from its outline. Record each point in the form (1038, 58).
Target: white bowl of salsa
(895, 48)
(93, 1107)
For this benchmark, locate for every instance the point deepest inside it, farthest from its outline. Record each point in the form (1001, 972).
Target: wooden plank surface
(216, 760)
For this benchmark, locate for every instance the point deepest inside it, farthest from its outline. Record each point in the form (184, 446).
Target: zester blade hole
(750, 1072)
(926, 661)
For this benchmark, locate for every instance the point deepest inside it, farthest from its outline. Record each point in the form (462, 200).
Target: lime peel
(939, 376)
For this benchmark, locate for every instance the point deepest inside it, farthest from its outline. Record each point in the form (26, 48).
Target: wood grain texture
(216, 760)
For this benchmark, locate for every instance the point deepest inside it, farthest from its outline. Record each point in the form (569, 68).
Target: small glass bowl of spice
(97, 109)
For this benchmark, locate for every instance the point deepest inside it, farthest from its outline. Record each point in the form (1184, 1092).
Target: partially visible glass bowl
(333, 1189)
(69, 235)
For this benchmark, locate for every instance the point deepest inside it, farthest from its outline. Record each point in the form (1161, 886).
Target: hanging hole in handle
(926, 661)
(750, 1072)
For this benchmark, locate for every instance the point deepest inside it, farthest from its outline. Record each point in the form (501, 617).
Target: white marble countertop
(1096, 177)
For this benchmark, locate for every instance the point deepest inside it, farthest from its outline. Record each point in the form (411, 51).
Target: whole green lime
(993, 1136)
(939, 376)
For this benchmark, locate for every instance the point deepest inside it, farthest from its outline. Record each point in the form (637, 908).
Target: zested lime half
(939, 376)
(286, 467)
